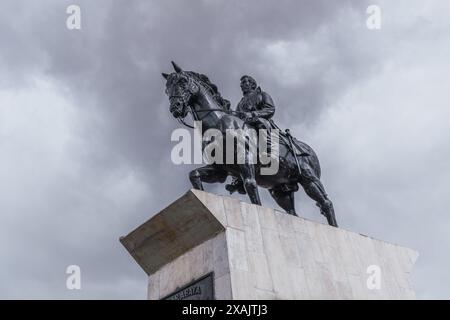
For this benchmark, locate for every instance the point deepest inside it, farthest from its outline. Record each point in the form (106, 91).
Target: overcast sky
(85, 127)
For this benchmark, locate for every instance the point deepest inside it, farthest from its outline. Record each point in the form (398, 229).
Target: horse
(192, 92)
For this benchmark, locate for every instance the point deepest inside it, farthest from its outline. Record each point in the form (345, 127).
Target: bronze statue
(191, 92)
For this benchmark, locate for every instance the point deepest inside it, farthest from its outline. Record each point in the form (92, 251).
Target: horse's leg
(248, 172)
(315, 190)
(208, 174)
(285, 200)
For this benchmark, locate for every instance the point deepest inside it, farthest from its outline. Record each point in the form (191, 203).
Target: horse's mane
(211, 87)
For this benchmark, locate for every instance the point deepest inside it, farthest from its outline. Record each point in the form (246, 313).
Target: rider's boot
(236, 185)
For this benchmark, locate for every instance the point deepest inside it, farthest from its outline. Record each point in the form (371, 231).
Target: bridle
(195, 112)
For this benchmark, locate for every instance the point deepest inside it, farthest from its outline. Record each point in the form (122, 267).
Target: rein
(197, 118)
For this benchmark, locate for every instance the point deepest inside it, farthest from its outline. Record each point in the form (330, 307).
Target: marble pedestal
(215, 247)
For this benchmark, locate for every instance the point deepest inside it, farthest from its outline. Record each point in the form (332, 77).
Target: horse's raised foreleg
(248, 173)
(208, 174)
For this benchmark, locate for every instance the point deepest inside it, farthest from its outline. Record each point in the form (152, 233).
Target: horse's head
(181, 89)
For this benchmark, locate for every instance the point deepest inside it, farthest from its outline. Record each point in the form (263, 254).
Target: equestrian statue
(192, 92)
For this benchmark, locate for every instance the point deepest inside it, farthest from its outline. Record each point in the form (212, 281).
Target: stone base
(253, 252)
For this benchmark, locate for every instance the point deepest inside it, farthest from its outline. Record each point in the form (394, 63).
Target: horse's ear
(165, 75)
(176, 67)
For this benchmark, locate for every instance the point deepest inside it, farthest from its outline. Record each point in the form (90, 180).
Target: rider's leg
(248, 173)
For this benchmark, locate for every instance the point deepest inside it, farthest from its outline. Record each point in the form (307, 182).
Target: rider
(256, 108)
(256, 105)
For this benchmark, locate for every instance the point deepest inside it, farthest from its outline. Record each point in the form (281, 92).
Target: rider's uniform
(261, 107)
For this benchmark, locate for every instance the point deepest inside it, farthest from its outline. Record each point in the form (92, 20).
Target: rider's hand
(249, 117)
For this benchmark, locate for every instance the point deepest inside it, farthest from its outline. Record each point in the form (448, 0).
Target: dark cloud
(114, 170)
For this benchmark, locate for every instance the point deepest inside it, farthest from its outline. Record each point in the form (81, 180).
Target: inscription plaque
(201, 289)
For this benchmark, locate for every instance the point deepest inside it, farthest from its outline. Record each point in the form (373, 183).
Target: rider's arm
(266, 107)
